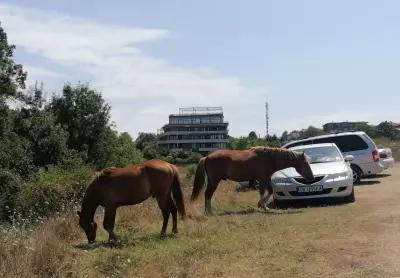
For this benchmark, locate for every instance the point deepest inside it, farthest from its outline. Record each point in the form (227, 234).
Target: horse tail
(178, 195)
(199, 179)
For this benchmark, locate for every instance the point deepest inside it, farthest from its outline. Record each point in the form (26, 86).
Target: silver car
(333, 176)
(386, 158)
(358, 144)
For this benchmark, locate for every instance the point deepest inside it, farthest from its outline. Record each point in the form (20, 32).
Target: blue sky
(314, 61)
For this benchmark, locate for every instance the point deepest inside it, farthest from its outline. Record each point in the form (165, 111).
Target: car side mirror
(348, 158)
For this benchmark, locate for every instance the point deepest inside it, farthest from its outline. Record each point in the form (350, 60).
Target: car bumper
(371, 168)
(289, 192)
(387, 162)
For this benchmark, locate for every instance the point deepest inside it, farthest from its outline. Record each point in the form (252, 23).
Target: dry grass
(353, 240)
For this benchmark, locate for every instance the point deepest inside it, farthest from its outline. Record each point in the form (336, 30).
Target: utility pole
(266, 120)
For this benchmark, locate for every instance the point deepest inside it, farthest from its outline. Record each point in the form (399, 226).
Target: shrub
(54, 190)
(10, 184)
(190, 171)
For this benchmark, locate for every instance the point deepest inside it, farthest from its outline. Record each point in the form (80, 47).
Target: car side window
(350, 143)
(324, 140)
(346, 143)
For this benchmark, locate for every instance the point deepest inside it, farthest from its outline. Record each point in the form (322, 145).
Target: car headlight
(339, 177)
(282, 181)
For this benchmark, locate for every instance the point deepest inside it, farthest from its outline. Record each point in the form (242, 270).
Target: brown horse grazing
(117, 187)
(258, 163)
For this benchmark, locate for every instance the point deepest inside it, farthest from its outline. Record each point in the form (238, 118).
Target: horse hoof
(113, 239)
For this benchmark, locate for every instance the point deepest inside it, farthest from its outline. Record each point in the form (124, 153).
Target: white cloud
(112, 60)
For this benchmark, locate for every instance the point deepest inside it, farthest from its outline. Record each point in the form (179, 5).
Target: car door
(354, 145)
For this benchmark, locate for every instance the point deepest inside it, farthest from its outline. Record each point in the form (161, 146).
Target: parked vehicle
(333, 176)
(358, 144)
(386, 158)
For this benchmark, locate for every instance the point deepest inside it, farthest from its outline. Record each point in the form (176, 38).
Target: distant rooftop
(199, 110)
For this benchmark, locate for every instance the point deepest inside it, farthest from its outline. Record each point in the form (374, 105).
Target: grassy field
(343, 240)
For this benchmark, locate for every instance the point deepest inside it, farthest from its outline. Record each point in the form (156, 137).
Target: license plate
(313, 188)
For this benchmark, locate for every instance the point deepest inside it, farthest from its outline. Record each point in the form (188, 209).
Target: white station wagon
(358, 144)
(333, 176)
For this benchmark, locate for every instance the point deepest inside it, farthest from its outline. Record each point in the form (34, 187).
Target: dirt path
(378, 205)
(351, 240)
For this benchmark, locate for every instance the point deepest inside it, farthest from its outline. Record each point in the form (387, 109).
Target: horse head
(303, 167)
(89, 226)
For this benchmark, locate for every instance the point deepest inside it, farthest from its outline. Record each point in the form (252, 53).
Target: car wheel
(357, 173)
(351, 198)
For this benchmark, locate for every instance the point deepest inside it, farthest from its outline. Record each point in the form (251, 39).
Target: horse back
(132, 185)
(233, 164)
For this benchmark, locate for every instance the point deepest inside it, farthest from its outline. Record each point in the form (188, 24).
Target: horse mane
(276, 153)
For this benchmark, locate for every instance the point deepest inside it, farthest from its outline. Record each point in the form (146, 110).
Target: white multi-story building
(198, 129)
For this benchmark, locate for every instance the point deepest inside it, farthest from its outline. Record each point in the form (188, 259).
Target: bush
(183, 157)
(52, 191)
(190, 171)
(10, 184)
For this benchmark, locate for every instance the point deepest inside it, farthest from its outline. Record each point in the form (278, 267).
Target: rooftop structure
(198, 129)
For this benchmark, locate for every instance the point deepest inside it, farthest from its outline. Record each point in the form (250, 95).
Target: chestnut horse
(116, 187)
(258, 163)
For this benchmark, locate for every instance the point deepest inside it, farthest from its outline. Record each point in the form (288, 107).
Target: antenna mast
(266, 119)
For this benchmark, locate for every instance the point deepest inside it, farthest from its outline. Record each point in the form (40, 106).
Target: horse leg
(164, 205)
(211, 186)
(174, 213)
(265, 185)
(109, 222)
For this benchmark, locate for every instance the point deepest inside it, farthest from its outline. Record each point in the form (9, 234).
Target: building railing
(200, 149)
(182, 141)
(198, 124)
(187, 132)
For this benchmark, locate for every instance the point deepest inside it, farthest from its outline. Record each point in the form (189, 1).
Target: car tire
(357, 173)
(350, 198)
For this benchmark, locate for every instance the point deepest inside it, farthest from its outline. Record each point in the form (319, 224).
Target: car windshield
(321, 154)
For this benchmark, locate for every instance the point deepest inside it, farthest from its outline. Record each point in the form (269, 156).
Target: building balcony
(183, 141)
(188, 132)
(196, 124)
(200, 149)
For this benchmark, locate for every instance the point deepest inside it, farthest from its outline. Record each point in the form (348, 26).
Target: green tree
(253, 135)
(125, 152)
(12, 75)
(386, 129)
(148, 144)
(368, 129)
(284, 136)
(311, 131)
(48, 140)
(83, 113)
(145, 139)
